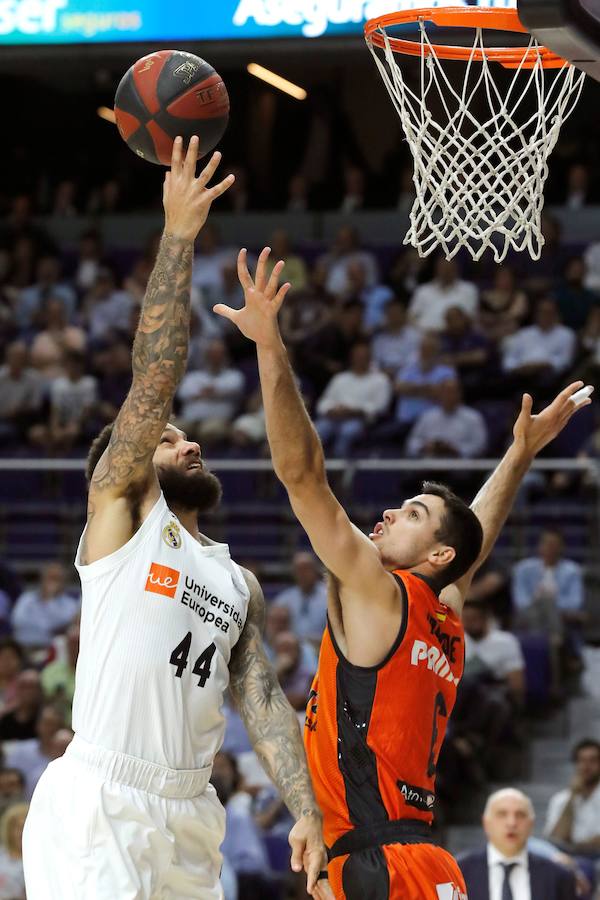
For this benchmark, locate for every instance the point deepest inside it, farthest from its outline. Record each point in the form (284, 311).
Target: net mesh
(480, 153)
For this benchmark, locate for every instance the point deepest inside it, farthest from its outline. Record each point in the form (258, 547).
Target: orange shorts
(397, 872)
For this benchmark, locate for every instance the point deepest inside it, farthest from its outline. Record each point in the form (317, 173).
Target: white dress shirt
(555, 346)
(431, 301)
(227, 385)
(498, 650)
(586, 815)
(369, 393)
(518, 879)
(464, 430)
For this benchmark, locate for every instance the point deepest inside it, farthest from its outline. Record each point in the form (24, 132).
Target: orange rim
(462, 17)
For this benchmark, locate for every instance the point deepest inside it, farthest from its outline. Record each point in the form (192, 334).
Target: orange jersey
(373, 735)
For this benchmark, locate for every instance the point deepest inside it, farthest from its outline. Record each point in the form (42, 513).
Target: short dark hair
(9, 643)
(585, 744)
(460, 528)
(10, 770)
(99, 445)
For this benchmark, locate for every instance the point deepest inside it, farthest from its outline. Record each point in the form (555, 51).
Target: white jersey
(159, 618)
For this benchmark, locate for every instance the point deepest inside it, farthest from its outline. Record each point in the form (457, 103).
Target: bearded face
(195, 489)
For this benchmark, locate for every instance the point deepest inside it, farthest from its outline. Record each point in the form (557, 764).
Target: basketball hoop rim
(461, 17)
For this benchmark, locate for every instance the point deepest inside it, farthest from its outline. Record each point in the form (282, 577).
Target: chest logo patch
(171, 535)
(162, 580)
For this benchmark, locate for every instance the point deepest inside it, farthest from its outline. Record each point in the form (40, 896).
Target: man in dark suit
(505, 870)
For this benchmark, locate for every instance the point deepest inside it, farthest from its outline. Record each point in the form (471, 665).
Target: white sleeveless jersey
(159, 618)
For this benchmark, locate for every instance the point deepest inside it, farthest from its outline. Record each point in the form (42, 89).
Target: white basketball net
(479, 179)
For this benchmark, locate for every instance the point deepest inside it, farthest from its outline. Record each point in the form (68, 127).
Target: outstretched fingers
(221, 187)
(191, 157)
(243, 273)
(260, 280)
(209, 169)
(273, 282)
(176, 154)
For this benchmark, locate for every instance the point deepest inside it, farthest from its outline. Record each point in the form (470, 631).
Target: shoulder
(504, 639)
(570, 567)
(558, 799)
(472, 859)
(467, 412)
(549, 867)
(531, 564)
(256, 600)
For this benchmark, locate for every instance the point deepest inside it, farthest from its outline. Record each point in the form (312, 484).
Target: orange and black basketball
(166, 94)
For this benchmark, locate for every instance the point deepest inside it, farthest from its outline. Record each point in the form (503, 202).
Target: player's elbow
(300, 474)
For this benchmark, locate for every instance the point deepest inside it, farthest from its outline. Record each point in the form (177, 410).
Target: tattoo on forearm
(269, 719)
(158, 363)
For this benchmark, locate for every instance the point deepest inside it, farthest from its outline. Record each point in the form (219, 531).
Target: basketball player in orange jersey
(168, 622)
(392, 653)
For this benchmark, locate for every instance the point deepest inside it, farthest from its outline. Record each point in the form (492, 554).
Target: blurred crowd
(395, 355)
(525, 630)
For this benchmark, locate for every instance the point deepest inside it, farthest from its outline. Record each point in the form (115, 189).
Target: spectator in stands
(397, 342)
(577, 189)
(210, 258)
(355, 190)
(573, 820)
(405, 272)
(279, 620)
(19, 722)
(12, 880)
(432, 300)
(505, 869)
(32, 756)
(243, 846)
(503, 307)
(105, 308)
(306, 600)
(89, 261)
(491, 653)
(346, 250)
(58, 677)
(22, 270)
(73, 398)
(547, 592)
(12, 788)
(418, 382)
(297, 200)
(57, 338)
(591, 259)
(464, 348)
(46, 610)
(249, 429)
(107, 199)
(114, 367)
(11, 663)
(491, 587)
(575, 301)
(295, 267)
(352, 400)
(449, 429)
(373, 298)
(21, 392)
(539, 354)
(294, 678)
(49, 283)
(211, 396)
(63, 205)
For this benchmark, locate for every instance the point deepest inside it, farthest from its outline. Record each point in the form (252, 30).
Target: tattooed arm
(495, 499)
(124, 477)
(273, 729)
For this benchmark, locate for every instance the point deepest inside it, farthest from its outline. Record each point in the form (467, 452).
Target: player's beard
(199, 491)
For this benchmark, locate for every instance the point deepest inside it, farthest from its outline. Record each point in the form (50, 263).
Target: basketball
(166, 94)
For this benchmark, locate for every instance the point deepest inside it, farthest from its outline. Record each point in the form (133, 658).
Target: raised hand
(187, 199)
(533, 433)
(263, 297)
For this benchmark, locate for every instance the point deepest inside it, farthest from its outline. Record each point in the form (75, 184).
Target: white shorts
(106, 826)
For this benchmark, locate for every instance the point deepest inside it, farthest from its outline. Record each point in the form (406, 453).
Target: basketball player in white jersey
(168, 622)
